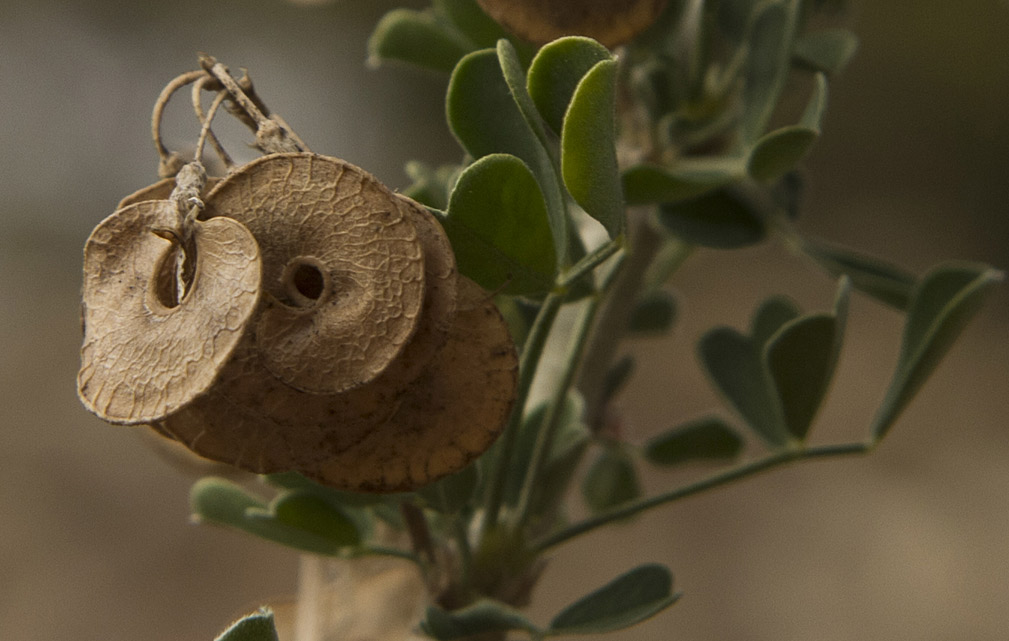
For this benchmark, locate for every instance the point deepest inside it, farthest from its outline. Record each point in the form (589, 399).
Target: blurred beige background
(908, 544)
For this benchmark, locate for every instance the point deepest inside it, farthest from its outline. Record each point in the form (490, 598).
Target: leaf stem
(723, 478)
(591, 260)
(528, 364)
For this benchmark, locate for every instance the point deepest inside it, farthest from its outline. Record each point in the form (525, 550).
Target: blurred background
(907, 544)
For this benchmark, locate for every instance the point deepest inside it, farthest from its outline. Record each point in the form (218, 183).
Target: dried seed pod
(145, 353)
(611, 22)
(450, 415)
(269, 426)
(343, 269)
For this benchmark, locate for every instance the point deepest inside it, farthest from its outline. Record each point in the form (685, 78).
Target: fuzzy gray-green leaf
(485, 119)
(629, 599)
(610, 481)
(556, 71)
(827, 51)
(722, 219)
(257, 626)
(480, 618)
(883, 281)
(414, 37)
(588, 148)
(941, 306)
(498, 223)
(647, 184)
(704, 439)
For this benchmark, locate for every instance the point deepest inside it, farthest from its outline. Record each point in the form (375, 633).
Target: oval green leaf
(827, 51)
(770, 316)
(883, 281)
(610, 481)
(941, 306)
(704, 439)
(414, 37)
(471, 21)
(515, 77)
(257, 626)
(629, 599)
(654, 313)
(556, 71)
(485, 119)
(588, 148)
(480, 618)
(498, 223)
(650, 184)
(309, 512)
(770, 44)
(779, 151)
(736, 366)
(723, 219)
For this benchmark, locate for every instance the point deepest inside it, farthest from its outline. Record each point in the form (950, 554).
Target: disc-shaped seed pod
(343, 270)
(450, 415)
(611, 22)
(255, 420)
(146, 353)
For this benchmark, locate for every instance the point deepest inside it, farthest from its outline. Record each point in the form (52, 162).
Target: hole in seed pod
(304, 281)
(174, 274)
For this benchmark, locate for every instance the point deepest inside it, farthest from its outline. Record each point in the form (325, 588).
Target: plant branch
(723, 478)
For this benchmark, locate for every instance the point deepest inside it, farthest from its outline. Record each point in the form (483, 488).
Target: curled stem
(204, 119)
(169, 163)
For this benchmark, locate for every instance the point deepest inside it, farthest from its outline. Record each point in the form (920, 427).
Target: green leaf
(736, 366)
(480, 618)
(629, 599)
(812, 116)
(828, 51)
(222, 502)
(610, 481)
(723, 219)
(307, 511)
(941, 306)
(802, 357)
(451, 494)
(654, 313)
(770, 45)
(883, 281)
(415, 37)
(484, 117)
(648, 184)
(556, 71)
(770, 316)
(257, 626)
(779, 151)
(498, 224)
(708, 438)
(588, 151)
(515, 78)
(471, 21)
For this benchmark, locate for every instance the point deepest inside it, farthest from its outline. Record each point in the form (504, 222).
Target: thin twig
(169, 163)
(722, 478)
(204, 119)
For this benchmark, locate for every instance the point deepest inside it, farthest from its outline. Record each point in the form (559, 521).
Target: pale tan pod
(343, 270)
(160, 190)
(144, 357)
(256, 421)
(450, 415)
(611, 22)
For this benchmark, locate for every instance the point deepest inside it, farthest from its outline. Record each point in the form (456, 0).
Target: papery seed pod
(147, 352)
(255, 420)
(450, 415)
(343, 269)
(611, 22)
